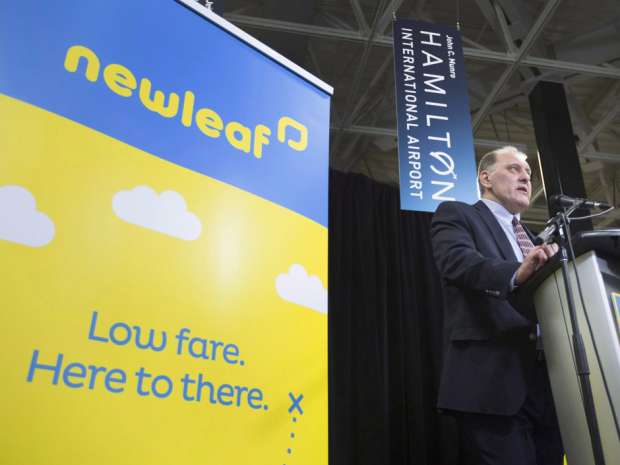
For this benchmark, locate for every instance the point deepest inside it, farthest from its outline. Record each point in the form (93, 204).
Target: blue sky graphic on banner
(435, 143)
(262, 130)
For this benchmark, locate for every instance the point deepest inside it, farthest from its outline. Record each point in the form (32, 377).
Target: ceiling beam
(501, 19)
(388, 14)
(386, 41)
(515, 12)
(378, 131)
(314, 60)
(357, 75)
(362, 24)
(602, 156)
(521, 22)
(565, 66)
(603, 95)
(591, 47)
(510, 99)
(336, 22)
(582, 125)
(601, 125)
(479, 142)
(487, 10)
(528, 42)
(607, 183)
(473, 43)
(361, 101)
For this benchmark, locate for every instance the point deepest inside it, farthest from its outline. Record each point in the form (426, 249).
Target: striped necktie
(525, 244)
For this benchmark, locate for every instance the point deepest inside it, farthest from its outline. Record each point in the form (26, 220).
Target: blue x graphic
(296, 403)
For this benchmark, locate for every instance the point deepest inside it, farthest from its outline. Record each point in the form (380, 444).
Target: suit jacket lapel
(499, 236)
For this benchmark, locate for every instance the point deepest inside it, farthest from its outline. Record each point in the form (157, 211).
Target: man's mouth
(523, 189)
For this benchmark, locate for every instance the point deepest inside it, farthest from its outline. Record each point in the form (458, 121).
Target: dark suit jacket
(490, 338)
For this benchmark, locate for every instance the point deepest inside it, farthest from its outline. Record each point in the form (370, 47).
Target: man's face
(508, 182)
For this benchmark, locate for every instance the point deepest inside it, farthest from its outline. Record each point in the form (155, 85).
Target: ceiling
(347, 43)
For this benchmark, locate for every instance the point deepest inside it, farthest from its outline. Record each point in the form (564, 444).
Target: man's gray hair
(488, 160)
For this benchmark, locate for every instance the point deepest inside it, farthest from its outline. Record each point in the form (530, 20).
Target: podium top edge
(600, 233)
(256, 44)
(605, 243)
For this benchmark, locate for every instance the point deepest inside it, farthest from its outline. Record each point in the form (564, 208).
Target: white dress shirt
(504, 218)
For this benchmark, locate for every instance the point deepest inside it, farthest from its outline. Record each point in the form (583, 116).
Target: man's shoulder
(460, 212)
(455, 205)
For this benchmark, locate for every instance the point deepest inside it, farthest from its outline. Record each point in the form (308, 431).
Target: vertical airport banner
(436, 156)
(163, 234)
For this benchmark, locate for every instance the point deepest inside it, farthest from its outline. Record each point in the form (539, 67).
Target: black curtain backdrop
(385, 331)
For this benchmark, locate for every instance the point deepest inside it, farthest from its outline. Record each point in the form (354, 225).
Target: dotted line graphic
(289, 451)
(295, 407)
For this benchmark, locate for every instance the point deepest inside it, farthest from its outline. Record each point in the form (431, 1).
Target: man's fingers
(535, 259)
(536, 253)
(538, 257)
(550, 249)
(541, 257)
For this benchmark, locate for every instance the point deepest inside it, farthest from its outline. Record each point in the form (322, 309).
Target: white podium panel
(599, 330)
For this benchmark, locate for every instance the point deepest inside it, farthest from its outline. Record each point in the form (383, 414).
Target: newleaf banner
(435, 143)
(163, 234)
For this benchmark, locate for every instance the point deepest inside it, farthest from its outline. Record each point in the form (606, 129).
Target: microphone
(564, 201)
(546, 234)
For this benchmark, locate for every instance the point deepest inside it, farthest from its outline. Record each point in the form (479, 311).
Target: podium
(598, 267)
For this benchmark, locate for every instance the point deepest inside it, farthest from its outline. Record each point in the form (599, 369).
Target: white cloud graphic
(297, 287)
(20, 221)
(165, 213)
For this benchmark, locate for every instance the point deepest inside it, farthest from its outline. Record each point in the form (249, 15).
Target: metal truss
(386, 41)
(377, 131)
(517, 59)
(519, 56)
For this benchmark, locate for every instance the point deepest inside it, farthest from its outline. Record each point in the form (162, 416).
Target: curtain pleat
(385, 331)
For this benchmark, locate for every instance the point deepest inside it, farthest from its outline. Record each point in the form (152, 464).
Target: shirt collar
(500, 211)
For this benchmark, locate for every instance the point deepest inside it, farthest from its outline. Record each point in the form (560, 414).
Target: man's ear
(483, 179)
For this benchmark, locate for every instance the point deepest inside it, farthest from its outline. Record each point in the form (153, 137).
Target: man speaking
(494, 379)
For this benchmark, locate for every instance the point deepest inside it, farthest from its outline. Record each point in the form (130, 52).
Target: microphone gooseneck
(566, 201)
